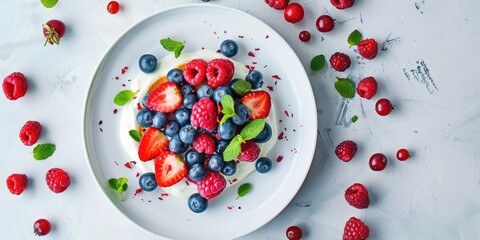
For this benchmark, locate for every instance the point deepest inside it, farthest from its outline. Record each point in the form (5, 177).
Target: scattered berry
(175, 75)
(255, 78)
(195, 71)
(204, 114)
(147, 63)
(113, 7)
(277, 4)
(165, 98)
(193, 157)
(53, 30)
(41, 227)
(377, 162)
(219, 92)
(229, 168)
(176, 145)
(205, 91)
(340, 61)
(212, 185)
(204, 143)
(15, 86)
(355, 229)
(368, 48)
(57, 180)
(383, 107)
(227, 130)
(145, 117)
(197, 203)
(367, 88)
(147, 182)
(346, 150)
(169, 169)
(294, 233)
(264, 135)
(17, 183)
(219, 72)
(403, 154)
(293, 13)
(152, 143)
(197, 172)
(250, 151)
(304, 36)
(229, 48)
(30, 132)
(263, 165)
(215, 163)
(258, 102)
(342, 4)
(357, 196)
(325, 23)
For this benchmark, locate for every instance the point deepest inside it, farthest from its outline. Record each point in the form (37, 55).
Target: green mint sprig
(250, 131)
(345, 87)
(354, 38)
(228, 108)
(49, 3)
(119, 185)
(317, 63)
(43, 151)
(243, 190)
(124, 97)
(242, 87)
(172, 46)
(135, 135)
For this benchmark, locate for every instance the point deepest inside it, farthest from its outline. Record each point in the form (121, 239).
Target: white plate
(204, 25)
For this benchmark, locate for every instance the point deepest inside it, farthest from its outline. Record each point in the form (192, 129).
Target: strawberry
(153, 143)
(258, 103)
(166, 98)
(169, 169)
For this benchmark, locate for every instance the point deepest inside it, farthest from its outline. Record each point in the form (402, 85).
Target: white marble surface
(433, 195)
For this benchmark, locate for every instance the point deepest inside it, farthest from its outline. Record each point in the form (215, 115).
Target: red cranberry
(378, 162)
(41, 227)
(383, 107)
(403, 154)
(113, 7)
(293, 13)
(325, 23)
(304, 36)
(294, 233)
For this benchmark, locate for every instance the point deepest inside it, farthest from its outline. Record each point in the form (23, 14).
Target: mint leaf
(242, 87)
(228, 108)
(354, 118)
(172, 46)
(233, 149)
(317, 63)
(345, 87)
(43, 151)
(226, 117)
(243, 189)
(354, 38)
(124, 97)
(178, 50)
(49, 3)
(135, 135)
(252, 129)
(119, 185)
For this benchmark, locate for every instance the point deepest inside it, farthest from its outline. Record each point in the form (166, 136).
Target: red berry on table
(212, 185)
(53, 30)
(17, 183)
(293, 13)
(57, 180)
(204, 114)
(294, 233)
(204, 143)
(403, 154)
(325, 23)
(277, 4)
(304, 36)
(383, 107)
(367, 87)
(250, 151)
(377, 162)
(152, 143)
(342, 4)
(357, 196)
(368, 48)
(15, 86)
(346, 150)
(259, 104)
(166, 98)
(30, 132)
(169, 169)
(113, 7)
(355, 229)
(41, 227)
(340, 61)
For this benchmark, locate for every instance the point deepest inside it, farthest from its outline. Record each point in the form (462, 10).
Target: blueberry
(219, 92)
(176, 145)
(229, 168)
(263, 165)
(264, 135)
(197, 203)
(189, 100)
(171, 128)
(255, 78)
(227, 130)
(197, 172)
(243, 114)
(159, 120)
(193, 157)
(147, 63)
(205, 91)
(188, 134)
(182, 116)
(144, 99)
(229, 48)
(145, 117)
(186, 89)
(221, 145)
(175, 75)
(215, 163)
(147, 182)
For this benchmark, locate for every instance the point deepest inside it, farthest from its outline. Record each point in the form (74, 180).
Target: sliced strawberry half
(166, 98)
(259, 103)
(169, 169)
(152, 143)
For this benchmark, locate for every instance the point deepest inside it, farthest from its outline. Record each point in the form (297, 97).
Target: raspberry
(277, 4)
(250, 151)
(204, 144)
(15, 86)
(355, 229)
(57, 180)
(346, 150)
(219, 72)
(212, 185)
(340, 61)
(30, 132)
(204, 114)
(342, 4)
(368, 48)
(357, 196)
(17, 183)
(367, 88)
(195, 71)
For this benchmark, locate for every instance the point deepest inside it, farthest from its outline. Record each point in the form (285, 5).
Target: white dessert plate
(203, 26)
